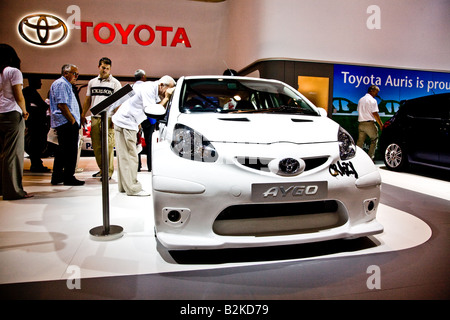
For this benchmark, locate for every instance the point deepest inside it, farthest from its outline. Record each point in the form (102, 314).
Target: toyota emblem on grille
(289, 166)
(43, 29)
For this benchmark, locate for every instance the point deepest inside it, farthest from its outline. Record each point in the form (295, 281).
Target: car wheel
(395, 157)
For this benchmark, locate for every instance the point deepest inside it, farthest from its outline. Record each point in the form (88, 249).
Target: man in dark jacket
(37, 125)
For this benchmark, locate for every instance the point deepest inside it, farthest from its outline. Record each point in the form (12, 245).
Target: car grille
(280, 218)
(262, 164)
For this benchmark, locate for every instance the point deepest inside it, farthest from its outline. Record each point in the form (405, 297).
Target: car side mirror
(155, 111)
(323, 112)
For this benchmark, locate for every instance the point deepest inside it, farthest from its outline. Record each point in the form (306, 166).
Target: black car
(418, 133)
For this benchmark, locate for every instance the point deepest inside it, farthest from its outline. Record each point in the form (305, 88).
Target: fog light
(175, 217)
(370, 206)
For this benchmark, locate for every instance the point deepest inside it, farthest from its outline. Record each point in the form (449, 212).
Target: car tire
(395, 157)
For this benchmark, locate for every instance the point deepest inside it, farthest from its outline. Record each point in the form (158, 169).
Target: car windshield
(226, 95)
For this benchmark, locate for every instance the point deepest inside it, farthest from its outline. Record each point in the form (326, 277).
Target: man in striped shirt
(98, 90)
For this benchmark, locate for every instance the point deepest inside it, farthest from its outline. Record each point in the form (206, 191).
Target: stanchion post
(107, 231)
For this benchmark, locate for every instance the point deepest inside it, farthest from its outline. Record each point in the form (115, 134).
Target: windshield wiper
(273, 110)
(295, 109)
(288, 108)
(283, 109)
(238, 110)
(280, 109)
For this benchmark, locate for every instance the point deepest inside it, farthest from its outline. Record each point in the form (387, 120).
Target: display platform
(47, 237)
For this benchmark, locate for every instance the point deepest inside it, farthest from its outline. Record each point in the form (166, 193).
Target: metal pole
(105, 172)
(105, 232)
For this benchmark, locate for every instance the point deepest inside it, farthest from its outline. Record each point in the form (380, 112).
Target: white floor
(47, 237)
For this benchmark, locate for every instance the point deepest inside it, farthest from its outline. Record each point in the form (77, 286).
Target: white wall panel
(413, 34)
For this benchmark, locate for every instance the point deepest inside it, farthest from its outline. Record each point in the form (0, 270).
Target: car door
(444, 151)
(423, 130)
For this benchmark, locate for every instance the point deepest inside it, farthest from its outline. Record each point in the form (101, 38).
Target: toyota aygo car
(245, 162)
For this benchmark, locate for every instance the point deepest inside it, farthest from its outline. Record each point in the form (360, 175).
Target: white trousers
(127, 161)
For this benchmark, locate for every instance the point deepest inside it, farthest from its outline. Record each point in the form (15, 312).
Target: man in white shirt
(100, 88)
(367, 117)
(126, 125)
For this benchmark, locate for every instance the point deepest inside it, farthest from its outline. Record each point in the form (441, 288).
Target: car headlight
(190, 144)
(347, 147)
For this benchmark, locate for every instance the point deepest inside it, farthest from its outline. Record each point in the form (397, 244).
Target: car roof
(229, 77)
(431, 96)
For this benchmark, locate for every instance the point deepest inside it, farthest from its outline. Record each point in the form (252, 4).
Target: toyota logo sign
(43, 29)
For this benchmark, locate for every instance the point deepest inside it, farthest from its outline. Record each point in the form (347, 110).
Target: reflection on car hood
(262, 128)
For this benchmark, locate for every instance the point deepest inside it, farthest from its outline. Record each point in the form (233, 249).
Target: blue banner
(351, 83)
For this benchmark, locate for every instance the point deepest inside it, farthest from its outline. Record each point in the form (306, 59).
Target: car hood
(262, 128)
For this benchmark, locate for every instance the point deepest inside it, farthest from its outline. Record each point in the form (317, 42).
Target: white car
(246, 162)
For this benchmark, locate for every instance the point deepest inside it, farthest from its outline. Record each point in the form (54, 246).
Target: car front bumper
(220, 205)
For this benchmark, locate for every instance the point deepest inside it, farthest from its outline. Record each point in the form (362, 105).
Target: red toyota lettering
(124, 33)
(143, 34)
(112, 33)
